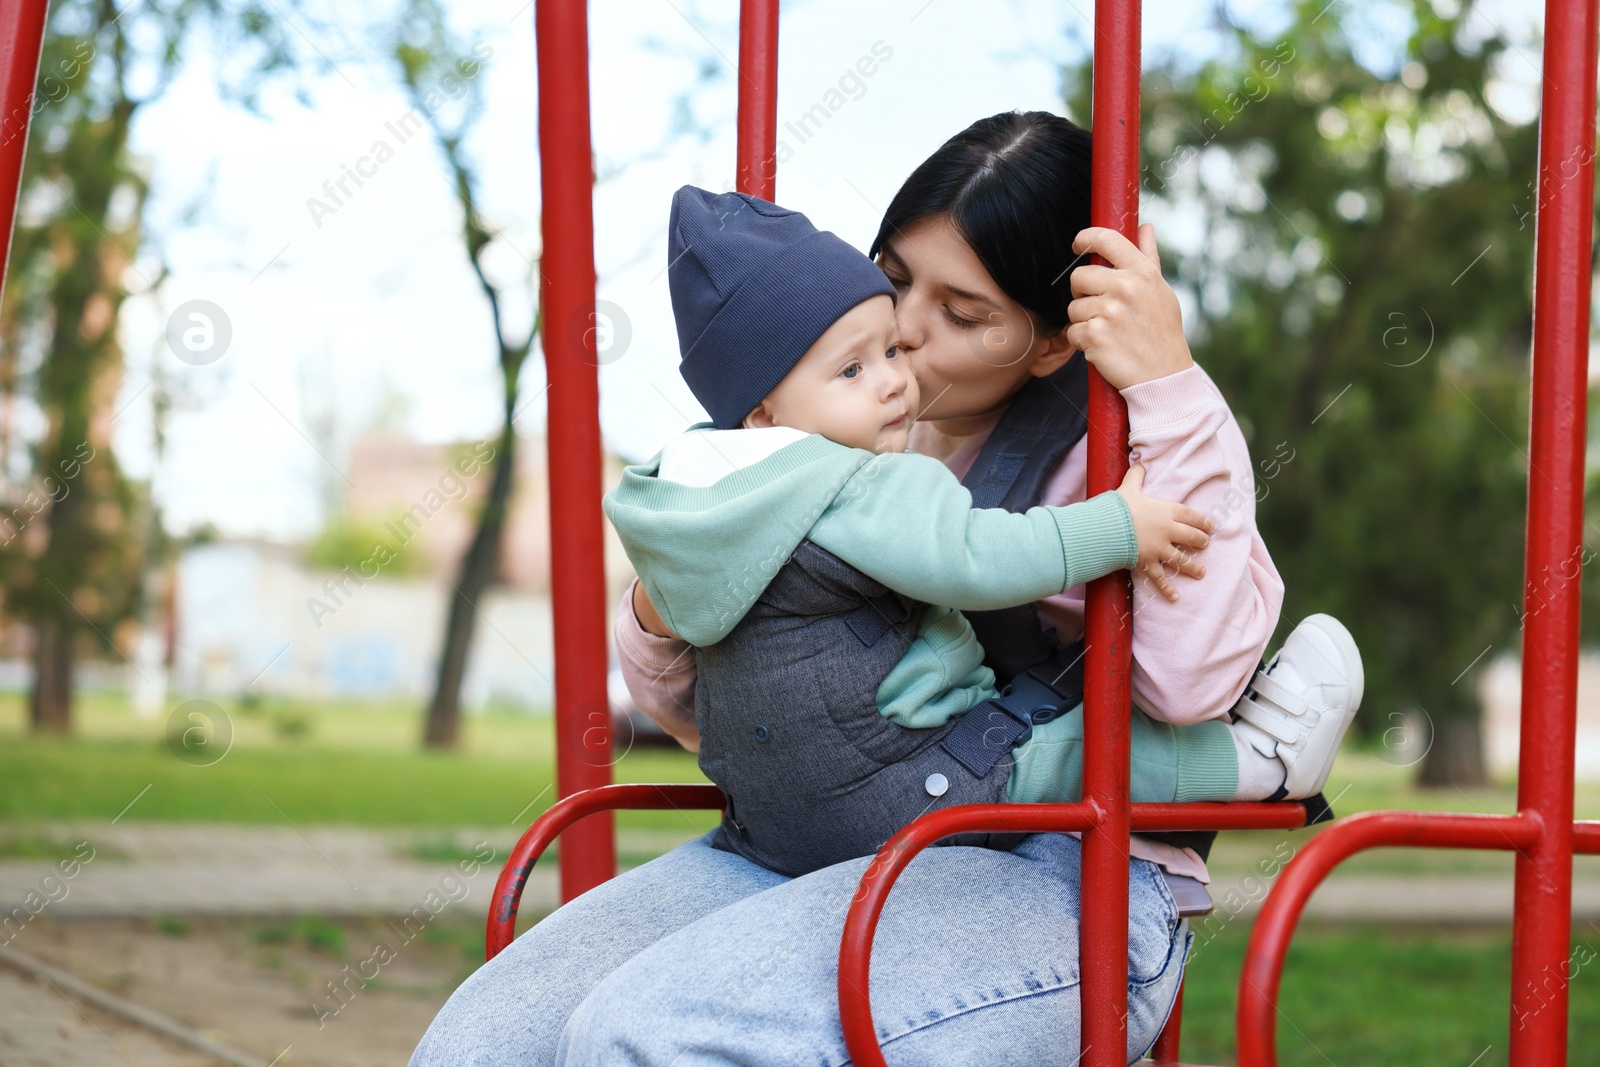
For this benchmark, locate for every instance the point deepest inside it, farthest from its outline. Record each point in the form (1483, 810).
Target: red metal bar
(1242, 815)
(758, 97)
(21, 39)
(1103, 932)
(514, 875)
(1256, 1017)
(855, 947)
(577, 581)
(1543, 832)
(861, 921)
(1165, 1049)
(1541, 926)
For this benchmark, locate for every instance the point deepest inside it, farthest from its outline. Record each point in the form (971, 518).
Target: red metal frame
(1542, 833)
(1108, 623)
(1274, 926)
(514, 875)
(758, 98)
(855, 947)
(21, 41)
(578, 585)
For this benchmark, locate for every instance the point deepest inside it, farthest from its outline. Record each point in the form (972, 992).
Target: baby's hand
(1165, 532)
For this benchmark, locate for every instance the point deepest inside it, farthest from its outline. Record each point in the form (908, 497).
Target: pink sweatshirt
(1191, 659)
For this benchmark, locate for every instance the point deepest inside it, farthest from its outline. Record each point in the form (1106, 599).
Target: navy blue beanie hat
(753, 286)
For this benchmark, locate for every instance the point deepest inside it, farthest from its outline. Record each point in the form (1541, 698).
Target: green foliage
(293, 724)
(313, 931)
(78, 536)
(171, 925)
(367, 549)
(1363, 287)
(79, 553)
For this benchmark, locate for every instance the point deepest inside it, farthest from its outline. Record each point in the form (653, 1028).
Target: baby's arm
(659, 672)
(906, 520)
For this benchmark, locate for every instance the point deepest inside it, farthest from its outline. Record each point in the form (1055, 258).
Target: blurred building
(1501, 687)
(255, 616)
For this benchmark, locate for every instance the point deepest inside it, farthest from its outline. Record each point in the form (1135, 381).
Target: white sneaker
(1300, 705)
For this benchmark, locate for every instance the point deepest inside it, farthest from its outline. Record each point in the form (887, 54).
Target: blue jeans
(700, 957)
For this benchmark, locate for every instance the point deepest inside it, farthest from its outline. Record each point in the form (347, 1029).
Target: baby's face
(852, 386)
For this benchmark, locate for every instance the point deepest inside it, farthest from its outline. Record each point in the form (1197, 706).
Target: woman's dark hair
(1016, 188)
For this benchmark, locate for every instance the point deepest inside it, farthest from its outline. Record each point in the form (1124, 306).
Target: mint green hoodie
(705, 553)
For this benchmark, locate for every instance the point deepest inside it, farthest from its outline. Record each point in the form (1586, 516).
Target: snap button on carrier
(936, 785)
(762, 733)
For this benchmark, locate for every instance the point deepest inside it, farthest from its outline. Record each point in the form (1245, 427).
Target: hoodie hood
(706, 546)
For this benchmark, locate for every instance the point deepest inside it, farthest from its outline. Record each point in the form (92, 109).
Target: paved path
(42, 1028)
(195, 869)
(140, 870)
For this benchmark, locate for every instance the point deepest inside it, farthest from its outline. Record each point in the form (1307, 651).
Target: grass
(349, 764)
(1377, 995)
(1352, 994)
(361, 764)
(23, 843)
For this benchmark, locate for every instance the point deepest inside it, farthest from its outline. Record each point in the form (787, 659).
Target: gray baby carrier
(790, 728)
(786, 703)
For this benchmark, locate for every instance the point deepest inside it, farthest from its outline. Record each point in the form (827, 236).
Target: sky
(361, 310)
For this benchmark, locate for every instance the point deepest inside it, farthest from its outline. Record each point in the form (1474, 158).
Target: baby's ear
(758, 419)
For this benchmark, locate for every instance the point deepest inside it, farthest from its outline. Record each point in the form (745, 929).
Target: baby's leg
(1167, 763)
(1281, 744)
(1296, 710)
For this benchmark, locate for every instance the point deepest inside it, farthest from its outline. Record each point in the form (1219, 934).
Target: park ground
(229, 885)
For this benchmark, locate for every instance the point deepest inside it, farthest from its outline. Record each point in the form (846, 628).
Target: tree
(76, 530)
(440, 75)
(439, 71)
(1363, 288)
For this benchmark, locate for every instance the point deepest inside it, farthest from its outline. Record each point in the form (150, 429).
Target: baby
(820, 571)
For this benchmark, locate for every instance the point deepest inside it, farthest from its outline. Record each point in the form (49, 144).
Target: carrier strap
(874, 618)
(985, 735)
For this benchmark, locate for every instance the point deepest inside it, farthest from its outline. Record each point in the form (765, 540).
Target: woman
(703, 957)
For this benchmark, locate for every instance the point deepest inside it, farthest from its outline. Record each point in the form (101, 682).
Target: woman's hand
(1165, 532)
(646, 612)
(1125, 317)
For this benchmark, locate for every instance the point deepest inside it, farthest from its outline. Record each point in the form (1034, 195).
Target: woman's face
(970, 346)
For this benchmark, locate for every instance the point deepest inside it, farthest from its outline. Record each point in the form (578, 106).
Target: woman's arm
(1193, 657)
(658, 669)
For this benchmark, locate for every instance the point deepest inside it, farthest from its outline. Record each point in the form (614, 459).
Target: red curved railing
(861, 921)
(562, 814)
(1542, 833)
(1268, 946)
